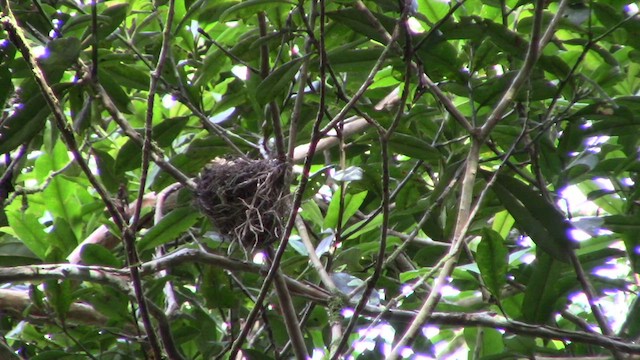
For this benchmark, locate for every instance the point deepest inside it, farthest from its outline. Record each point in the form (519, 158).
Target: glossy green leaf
(130, 154)
(413, 146)
(546, 225)
(279, 80)
(60, 190)
(352, 204)
(27, 228)
(94, 254)
(169, 228)
(24, 124)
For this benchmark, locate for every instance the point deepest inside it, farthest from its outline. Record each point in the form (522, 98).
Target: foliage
(456, 149)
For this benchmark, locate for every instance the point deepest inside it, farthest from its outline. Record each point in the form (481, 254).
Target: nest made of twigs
(244, 199)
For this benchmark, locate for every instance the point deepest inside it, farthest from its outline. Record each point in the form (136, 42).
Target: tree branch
(16, 301)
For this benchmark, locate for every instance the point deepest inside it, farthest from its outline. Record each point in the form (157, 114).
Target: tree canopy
(337, 179)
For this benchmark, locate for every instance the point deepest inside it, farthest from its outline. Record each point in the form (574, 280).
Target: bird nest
(244, 199)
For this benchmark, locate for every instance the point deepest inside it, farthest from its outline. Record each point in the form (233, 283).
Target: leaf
(27, 228)
(61, 54)
(59, 294)
(543, 295)
(279, 80)
(492, 257)
(172, 225)
(95, 254)
(62, 238)
(111, 18)
(212, 64)
(126, 75)
(503, 223)
(631, 327)
(216, 289)
(23, 124)
(325, 244)
(250, 7)
(351, 205)
(545, 224)
(60, 190)
(358, 22)
(352, 60)
(413, 146)
(130, 154)
(13, 252)
(357, 229)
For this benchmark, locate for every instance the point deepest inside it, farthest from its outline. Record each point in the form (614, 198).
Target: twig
(169, 292)
(302, 81)
(157, 154)
(129, 238)
(297, 200)
(587, 288)
(17, 37)
(313, 257)
(15, 301)
(462, 223)
(536, 44)
(273, 106)
(290, 317)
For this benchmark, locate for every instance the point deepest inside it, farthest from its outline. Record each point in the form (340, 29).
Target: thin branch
(297, 200)
(273, 106)
(60, 120)
(129, 238)
(157, 154)
(462, 223)
(587, 288)
(536, 45)
(313, 257)
(16, 302)
(302, 81)
(290, 317)
(390, 40)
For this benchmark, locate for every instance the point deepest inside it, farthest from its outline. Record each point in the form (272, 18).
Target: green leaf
(172, 225)
(23, 124)
(59, 294)
(111, 18)
(216, 289)
(413, 146)
(95, 254)
(250, 7)
(631, 327)
(130, 154)
(279, 80)
(492, 258)
(503, 223)
(542, 221)
(27, 228)
(126, 75)
(352, 203)
(13, 252)
(545, 288)
(60, 190)
(119, 97)
(357, 21)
